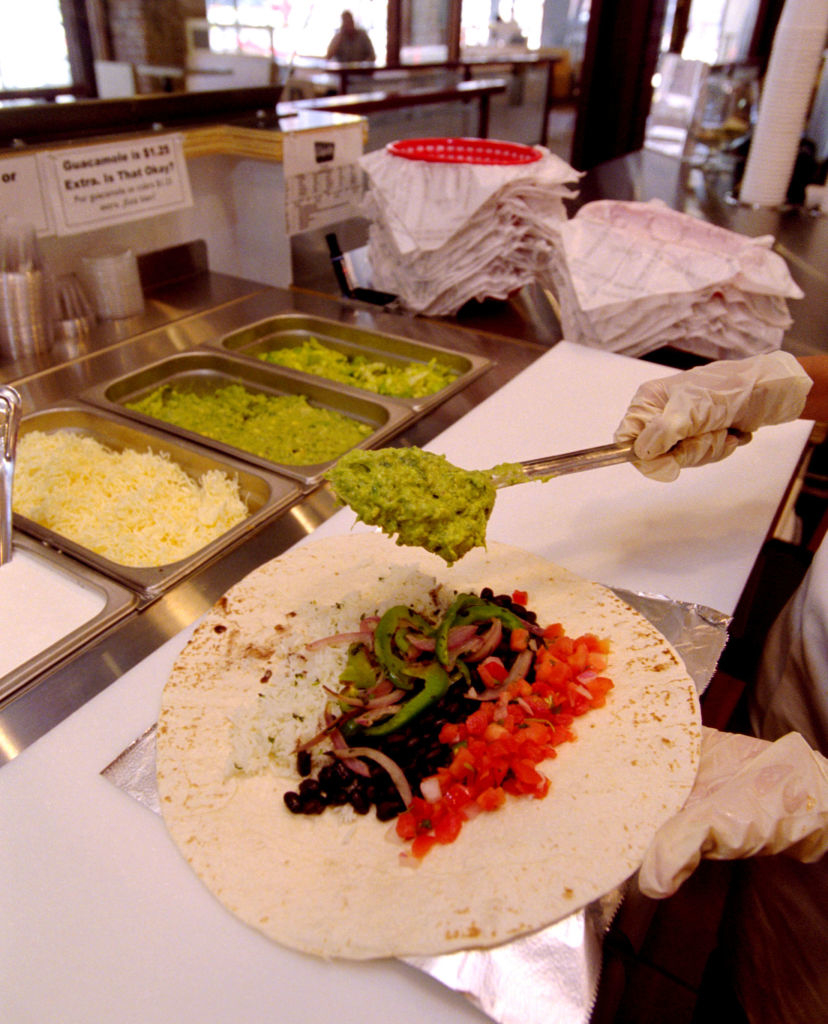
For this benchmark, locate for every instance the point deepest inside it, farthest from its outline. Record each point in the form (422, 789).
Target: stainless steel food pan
(287, 330)
(206, 370)
(264, 493)
(118, 602)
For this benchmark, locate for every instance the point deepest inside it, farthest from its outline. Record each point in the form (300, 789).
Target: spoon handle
(573, 462)
(569, 462)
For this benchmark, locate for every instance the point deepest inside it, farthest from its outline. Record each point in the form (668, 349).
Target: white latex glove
(750, 797)
(691, 412)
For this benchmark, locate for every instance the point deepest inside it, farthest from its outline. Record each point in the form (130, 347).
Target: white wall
(238, 209)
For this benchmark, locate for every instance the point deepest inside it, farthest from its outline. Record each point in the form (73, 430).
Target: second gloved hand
(751, 797)
(688, 414)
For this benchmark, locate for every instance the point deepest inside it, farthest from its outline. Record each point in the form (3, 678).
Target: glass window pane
(223, 40)
(33, 45)
(221, 12)
(255, 41)
(302, 27)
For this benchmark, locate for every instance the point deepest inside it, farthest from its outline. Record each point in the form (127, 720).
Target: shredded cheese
(134, 508)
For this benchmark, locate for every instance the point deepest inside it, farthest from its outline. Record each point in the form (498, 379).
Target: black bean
(329, 779)
(309, 787)
(388, 809)
(303, 762)
(293, 802)
(359, 801)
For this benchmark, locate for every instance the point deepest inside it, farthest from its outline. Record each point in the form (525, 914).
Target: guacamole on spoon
(419, 496)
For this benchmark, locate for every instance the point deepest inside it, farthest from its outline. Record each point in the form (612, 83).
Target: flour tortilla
(337, 887)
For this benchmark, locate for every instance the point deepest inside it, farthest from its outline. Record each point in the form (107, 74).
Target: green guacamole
(412, 380)
(419, 496)
(281, 428)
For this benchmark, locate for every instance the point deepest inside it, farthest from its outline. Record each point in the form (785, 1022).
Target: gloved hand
(691, 412)
(750, 797)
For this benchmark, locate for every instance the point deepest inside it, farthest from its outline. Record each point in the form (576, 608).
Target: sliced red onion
(494, 694)
(383, 686)
(384, 699)
(420, 642)
(345, 698)
(489, 641)
(520, 666)
(330, 723)
(341, 749)
(338, 638)
(393, 769)
(371, 715)
(458, 636)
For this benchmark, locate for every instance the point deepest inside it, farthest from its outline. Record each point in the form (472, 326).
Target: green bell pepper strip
(358, 670)
(448, 620)
(491, 611)
(463, 611)
(397, 619)
(436, 682)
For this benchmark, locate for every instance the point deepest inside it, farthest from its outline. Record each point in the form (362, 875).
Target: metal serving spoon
(427, 502)
(557, 465)
(10, 399)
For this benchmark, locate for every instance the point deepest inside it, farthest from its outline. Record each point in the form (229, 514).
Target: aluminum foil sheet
(697, 632)
(550, 976)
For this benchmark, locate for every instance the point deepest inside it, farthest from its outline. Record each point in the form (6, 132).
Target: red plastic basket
(464, 151)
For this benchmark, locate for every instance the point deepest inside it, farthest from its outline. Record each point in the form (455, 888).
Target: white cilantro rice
(289, 706)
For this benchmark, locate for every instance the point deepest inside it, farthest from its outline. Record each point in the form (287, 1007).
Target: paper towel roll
(786, 93)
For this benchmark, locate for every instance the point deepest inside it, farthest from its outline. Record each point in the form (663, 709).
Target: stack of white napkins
(632, 277)
(444, 233)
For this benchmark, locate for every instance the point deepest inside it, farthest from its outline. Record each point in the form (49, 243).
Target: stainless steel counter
(47, 700)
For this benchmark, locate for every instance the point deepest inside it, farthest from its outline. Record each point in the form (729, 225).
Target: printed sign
(96, 186)
(323, 179)
(20, 192)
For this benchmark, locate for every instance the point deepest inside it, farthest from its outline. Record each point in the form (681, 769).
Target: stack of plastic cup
(113, 283)
(25, 299)
(74, 316)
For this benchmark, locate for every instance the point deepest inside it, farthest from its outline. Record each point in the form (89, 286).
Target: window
(33, 52)
(284, 29)
(477, 16)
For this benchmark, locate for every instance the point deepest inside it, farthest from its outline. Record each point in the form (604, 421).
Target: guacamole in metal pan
(409, 380)
(282, 428)
(420, 496)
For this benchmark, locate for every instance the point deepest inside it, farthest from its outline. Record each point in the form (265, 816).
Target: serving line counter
(101, 917)
(46, 701)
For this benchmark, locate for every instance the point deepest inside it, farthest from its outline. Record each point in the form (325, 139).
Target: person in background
(350, 44)
(767, 794)
(505, 33)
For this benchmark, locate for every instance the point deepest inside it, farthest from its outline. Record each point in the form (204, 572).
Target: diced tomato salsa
(498, 747)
